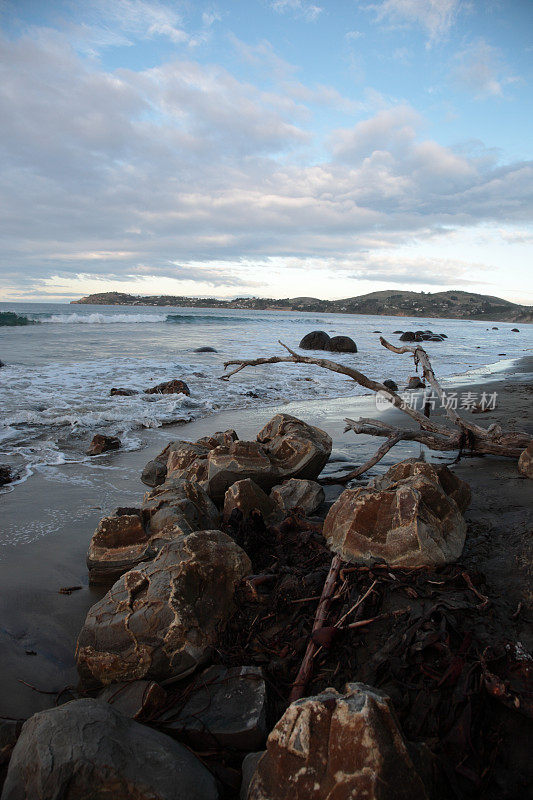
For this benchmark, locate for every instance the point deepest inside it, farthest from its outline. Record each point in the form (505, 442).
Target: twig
(304, 673)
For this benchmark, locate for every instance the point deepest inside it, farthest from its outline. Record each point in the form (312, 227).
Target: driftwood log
(459, 435)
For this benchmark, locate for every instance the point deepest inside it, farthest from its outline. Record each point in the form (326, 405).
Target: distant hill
(395, 303)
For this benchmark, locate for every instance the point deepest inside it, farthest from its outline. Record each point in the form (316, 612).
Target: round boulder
(342, 344)
(316, 340)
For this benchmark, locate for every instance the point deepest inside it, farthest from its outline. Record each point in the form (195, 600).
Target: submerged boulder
(411, 524)
(102, 444)
(408, 336)
(161, 619)
(316, 340)
(525, 462)
(391, 385)
(120, 392)
(297, 493)
(415, 383)
(169, 387)
(87, 749)
(340, 747)
(225, 707)
(341, 344)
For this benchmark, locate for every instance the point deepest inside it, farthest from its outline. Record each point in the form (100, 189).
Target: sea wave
(97, 318)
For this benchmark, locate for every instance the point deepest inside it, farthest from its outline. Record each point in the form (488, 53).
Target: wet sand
(46, 526)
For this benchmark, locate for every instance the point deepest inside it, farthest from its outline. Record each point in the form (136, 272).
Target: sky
(271, 148)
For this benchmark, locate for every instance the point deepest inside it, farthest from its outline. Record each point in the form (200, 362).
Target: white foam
(99, 319)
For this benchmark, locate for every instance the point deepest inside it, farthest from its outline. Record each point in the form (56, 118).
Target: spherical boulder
(316, 340)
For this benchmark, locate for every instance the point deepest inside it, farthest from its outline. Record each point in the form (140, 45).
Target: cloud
(299, 8)
(481, 70)
(436, 17)
(119, 173)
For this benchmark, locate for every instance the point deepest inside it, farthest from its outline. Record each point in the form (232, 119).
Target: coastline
(40, 625)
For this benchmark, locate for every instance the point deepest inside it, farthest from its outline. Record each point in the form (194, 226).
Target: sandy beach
(47, 525)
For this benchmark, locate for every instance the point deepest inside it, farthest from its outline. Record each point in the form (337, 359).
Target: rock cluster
(320, 340)
(410, 517)
(421, 336)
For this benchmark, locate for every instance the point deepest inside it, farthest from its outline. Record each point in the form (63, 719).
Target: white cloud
(435, 16)
(481, 70)
(300, 8)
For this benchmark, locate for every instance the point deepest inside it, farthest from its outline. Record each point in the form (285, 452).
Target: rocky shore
(258, 635)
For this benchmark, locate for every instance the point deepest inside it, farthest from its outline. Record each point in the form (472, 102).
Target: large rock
(85, 750)
(296, 493)
(247, 497)
(453, 486)
(189, 458)
(137, 700)
(316, 340)
(219, 438)
(225, 707)
(169, 387)
(182, 454)
(296, 449)
(525, 462)
(178, 507)
(412, 524)
(9, 733)
(340, 747)
(341, 344)
(118, 544)
(102, 444)
(237, 461)
(161, 619)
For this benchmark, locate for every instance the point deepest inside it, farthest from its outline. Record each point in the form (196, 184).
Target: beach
(48, 521)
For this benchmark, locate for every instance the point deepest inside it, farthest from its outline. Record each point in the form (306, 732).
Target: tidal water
(55, 385)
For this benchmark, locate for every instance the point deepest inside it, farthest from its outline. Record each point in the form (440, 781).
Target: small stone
(103, 444)
(87, 749)
(525, 462)
(296, 493)
(225, 707)
(7, 475)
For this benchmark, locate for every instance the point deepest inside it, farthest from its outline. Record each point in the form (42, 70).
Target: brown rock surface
(169, 387)
(178, 507)
(247, 496)
(337, 747)
(218, 438)
(239, 460)
(298, 493)
(85, 750)
(411, 524)
(453, 486)
(118, 544)
(525, 462)
(161, 619)
(102, 444)
(296, 449)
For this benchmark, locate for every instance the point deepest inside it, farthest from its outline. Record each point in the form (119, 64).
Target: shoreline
(52, 522)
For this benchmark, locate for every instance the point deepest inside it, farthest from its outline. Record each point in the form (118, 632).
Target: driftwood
(459, 435)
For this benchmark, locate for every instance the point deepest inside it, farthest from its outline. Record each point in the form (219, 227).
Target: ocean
(55, 385)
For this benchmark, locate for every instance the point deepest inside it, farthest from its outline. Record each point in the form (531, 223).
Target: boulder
(495, 328)
(177, 508)
(235, 462)
(2, 364)
(248, 497)
(169, 387)
(161, 619)
(342, 344)
(205, 350)
(102, 444)
(87, 749)
(296, 449)
(414, 382)
(411, 524)
(340, 747)
(515, 330)
(391, 385)
(397, 331)
(118, 544)
(182, 454)
(248, 768)
(225, 707)
(316, 340)
(298, 493)
(122, 392)
(218, 438)
(136, 700)
(9, 733)
(452, 486)
(408, 336)
(525, 462)
(7, 475)
(154, 472)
